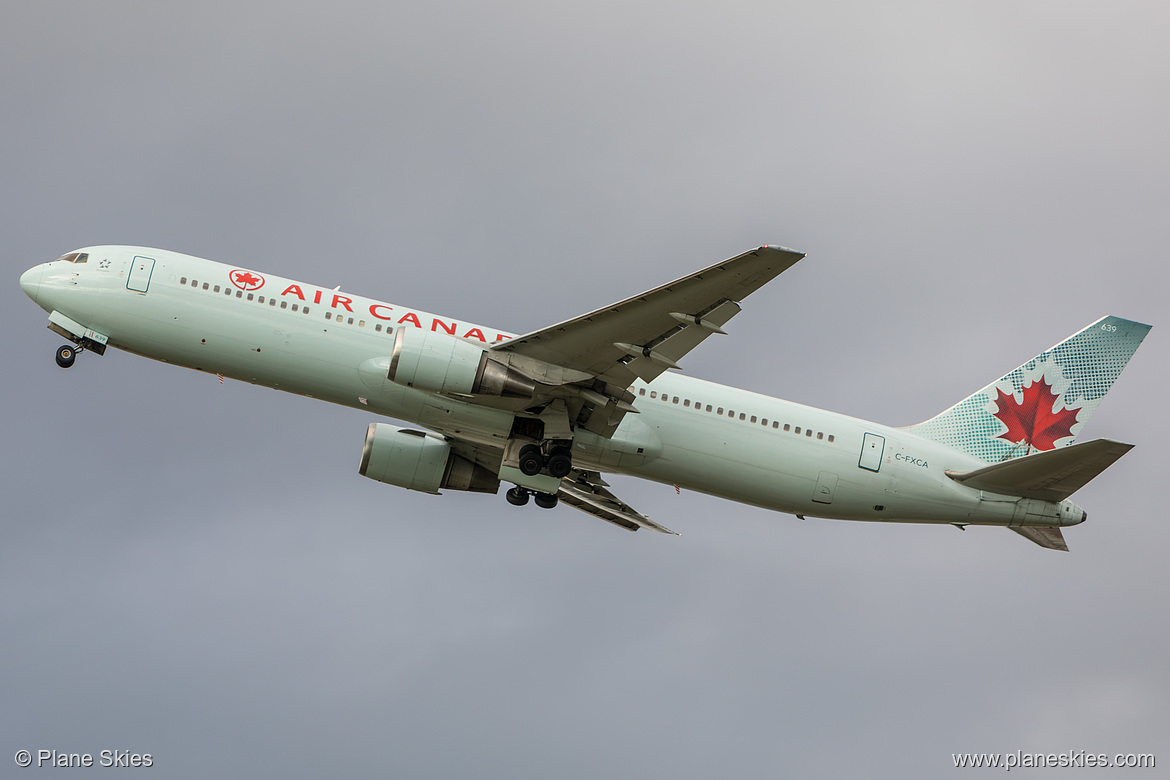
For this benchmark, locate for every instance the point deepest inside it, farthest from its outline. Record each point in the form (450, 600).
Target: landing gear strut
(66, 355)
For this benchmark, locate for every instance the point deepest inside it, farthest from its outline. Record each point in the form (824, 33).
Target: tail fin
(1044, 403)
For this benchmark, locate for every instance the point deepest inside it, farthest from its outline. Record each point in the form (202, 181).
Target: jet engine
(420, 461)
(444, 364)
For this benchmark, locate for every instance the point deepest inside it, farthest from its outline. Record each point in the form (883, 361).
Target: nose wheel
(66, 355)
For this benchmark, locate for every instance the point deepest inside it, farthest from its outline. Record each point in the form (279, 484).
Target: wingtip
(779, 248)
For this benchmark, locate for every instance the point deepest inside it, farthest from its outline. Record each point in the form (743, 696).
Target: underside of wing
(641, 337)
(1048, 536)
(585, 490)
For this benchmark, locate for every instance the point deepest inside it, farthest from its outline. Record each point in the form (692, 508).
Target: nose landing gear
(66, 355)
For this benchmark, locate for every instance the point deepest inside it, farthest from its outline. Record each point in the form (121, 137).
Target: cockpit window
(75, 257)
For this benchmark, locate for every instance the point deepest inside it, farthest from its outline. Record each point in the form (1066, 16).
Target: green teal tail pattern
(1044, 403)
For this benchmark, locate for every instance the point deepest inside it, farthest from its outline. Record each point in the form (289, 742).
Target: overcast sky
(198, 572)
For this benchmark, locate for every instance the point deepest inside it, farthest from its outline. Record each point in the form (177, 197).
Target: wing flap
(1048, 536)
(1053, 475)
(586, 492)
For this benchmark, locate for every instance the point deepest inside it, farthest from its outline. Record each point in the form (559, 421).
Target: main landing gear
(519, 496)
(66, 355)
(559, 462)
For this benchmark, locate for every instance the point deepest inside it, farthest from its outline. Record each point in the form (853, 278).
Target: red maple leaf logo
(1033, 420)
(246, 280)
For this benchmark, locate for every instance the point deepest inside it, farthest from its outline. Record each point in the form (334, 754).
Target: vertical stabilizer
(1044, 403)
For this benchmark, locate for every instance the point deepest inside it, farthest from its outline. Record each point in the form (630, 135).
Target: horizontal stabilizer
(1044, 535)
(1053, 475)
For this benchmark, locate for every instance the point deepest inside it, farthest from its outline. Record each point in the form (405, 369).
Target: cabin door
(140, 271)
(872, 449)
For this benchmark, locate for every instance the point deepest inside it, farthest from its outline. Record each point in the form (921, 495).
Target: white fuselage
(330, 345)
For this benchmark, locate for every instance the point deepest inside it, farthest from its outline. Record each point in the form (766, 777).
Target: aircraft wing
(643, 336)
(586, 490)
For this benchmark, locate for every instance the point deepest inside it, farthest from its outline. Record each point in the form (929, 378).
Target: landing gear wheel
(531, 461)
(66, 355)
(518, 496)
(546, 500)
(560, 462)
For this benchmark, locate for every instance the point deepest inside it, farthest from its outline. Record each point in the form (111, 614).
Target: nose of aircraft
(30, 281)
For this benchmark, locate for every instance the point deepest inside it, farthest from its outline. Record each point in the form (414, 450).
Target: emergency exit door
(140, 272)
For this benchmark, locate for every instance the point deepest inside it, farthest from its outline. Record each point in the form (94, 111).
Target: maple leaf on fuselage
(247, 279)
(1033, 419)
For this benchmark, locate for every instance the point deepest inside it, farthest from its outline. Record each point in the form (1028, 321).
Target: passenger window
(239, 293)
(687, 403)
(378, 328)
(271, 301)
(227, 291)
(641, 391)
(820, 435)
(305, 310)
(776, 424)
(763, 422)
(830, 437)
(295, 307)
(183, 280)
(251, 296)
(328, 315)
(718, 412)
(653, 393)
(788, 427)
(261, 299)
(194, 283)
(743, 416)
(214, 290)
(808, 432)
(205, 285)
(361, 323)
(730, 413)
(350, 322)
(283, 304)
(709, 408)
(797, 429)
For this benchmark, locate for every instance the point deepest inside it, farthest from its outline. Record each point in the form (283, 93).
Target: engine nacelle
(418, 461)
(444, 364)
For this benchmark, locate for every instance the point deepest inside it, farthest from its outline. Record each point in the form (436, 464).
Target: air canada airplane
(553, 410)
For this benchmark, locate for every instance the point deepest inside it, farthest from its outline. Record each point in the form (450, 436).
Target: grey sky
(197, 571)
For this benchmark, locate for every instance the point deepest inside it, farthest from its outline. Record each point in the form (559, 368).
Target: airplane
(551, 411)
